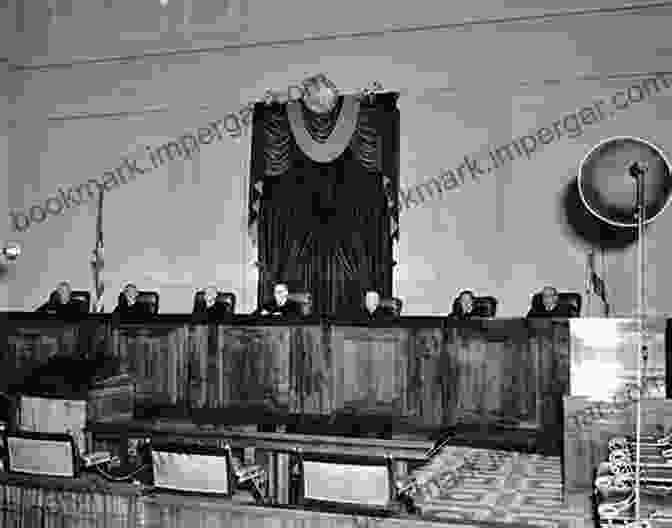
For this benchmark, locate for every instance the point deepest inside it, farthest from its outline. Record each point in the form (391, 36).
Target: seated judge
(127, 305)
(281, 305)
(61, 302)
(463, 306)
(207, 304)
(372, 308)
(549, 305)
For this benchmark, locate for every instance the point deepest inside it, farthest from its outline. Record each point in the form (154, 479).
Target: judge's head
(549, 297)
(130, 294)
(371, 300)
(63, 292)
(210, 295)
(280, 292)
(307, 305)
(466, 301)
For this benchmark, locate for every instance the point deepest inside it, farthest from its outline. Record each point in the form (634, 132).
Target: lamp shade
(609, 190)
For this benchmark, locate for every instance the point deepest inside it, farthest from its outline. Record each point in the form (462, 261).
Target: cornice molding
(635, 8)
(403, 92)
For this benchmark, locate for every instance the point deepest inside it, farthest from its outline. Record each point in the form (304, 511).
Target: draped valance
(367, 126)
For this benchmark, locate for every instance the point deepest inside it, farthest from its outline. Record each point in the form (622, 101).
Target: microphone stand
(637, 171)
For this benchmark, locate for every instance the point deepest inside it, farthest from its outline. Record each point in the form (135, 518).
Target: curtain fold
(327, 228)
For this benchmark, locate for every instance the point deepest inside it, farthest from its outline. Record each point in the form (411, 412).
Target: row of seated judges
(214, 304)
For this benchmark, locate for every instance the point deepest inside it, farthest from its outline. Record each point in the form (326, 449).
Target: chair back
(83, 299)
(485, 306)
(228, 300)
(392, 305)
(305, 300)
(572, 300)
(225, 299)
(148, 300)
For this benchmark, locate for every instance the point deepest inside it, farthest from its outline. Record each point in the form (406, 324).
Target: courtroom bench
(424, 375)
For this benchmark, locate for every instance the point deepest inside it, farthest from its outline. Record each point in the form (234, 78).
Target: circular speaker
(609, 189)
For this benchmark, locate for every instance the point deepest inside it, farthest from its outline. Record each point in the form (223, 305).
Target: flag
(596, 290)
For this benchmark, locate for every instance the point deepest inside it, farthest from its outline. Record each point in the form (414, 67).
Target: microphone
(637, 169)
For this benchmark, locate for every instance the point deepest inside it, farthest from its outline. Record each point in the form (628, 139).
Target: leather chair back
(81, 297)
(305, 300)
(226, 299)
(149, 301)
(485, 306)
(392, 305)
(571, 299)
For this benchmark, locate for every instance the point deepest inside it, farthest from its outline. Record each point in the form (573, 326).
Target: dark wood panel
(512, 375)
(424, 372)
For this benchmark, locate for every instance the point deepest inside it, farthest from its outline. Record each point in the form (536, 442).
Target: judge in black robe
(463, 306)
(61, 303)
(280, 306)
(550, 307)
(127, 305)
(207, 306)
(372, 309)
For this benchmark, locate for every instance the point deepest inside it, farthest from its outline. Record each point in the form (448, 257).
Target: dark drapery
(326, 228)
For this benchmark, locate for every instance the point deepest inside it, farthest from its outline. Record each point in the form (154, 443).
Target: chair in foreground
(344, 483)
(210, 470)
(48, 454)
(193, 469)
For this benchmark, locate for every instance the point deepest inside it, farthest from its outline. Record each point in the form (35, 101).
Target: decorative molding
(590, 77)
(627, 9)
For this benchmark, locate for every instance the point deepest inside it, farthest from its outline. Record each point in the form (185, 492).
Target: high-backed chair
(392, 306)
(571, 299)
(81, 298)
(485, 306)
(149, 301)
(227, 300)
(305, 300)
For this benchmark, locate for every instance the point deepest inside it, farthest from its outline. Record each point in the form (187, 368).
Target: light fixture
(163, 3)
(11, 251)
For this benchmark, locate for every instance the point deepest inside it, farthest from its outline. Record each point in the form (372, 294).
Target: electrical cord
(119, 479)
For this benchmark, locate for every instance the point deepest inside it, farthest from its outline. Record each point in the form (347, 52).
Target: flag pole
(589, 289)
(97, 259)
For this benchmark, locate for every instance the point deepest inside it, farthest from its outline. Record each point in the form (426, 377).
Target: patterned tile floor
(484, 485)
